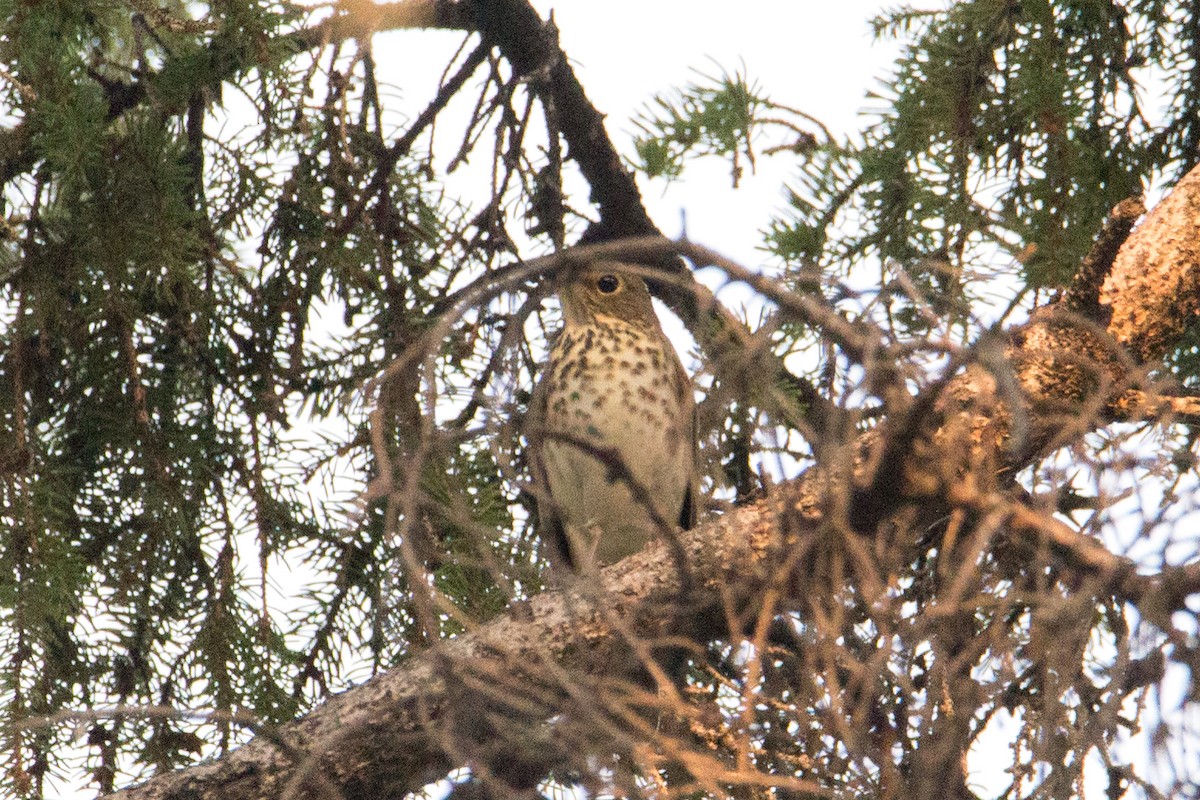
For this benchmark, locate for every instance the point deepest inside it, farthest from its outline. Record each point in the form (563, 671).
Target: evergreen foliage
(172, 398)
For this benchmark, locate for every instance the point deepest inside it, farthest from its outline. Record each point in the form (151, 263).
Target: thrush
(612, 426)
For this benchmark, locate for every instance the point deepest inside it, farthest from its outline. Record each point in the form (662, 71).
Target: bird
(611, 428)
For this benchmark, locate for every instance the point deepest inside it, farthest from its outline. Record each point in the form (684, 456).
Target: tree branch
(1154, 288)
(381, 739)
(391, 735)
(1083, 295)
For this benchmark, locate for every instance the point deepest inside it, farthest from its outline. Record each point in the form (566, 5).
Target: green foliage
(162, 330)
(1006, 126)
(191, 312)
(1007, 129)
(716, 117)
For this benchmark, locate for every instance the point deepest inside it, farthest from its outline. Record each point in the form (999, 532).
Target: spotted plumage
(612, 429)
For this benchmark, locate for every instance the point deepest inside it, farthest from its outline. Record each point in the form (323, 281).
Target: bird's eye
(608, 284)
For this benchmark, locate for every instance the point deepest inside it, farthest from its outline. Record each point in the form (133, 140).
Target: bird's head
(605, 289)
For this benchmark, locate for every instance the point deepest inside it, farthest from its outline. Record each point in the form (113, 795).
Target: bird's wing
(550, 528)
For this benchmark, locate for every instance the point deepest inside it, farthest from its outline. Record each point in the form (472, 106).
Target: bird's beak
(567, 287)
(572, 309)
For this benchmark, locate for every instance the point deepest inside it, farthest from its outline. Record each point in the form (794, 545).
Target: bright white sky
(819, 57)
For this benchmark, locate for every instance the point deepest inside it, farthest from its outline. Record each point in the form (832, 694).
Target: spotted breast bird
(612, 424)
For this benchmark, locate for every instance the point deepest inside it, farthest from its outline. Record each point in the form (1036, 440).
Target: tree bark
(400, 730)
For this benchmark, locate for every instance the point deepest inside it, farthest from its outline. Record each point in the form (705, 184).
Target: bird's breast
(618, 434)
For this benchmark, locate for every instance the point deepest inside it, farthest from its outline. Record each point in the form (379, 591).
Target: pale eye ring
(607, 284)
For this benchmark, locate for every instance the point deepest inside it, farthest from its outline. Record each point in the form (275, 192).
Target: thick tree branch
(382, 739)
(406, 727)
(531, 47)
(1083, 295)
(1154, 288)
(1060, 374)
(389, 736)
(359, 20)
